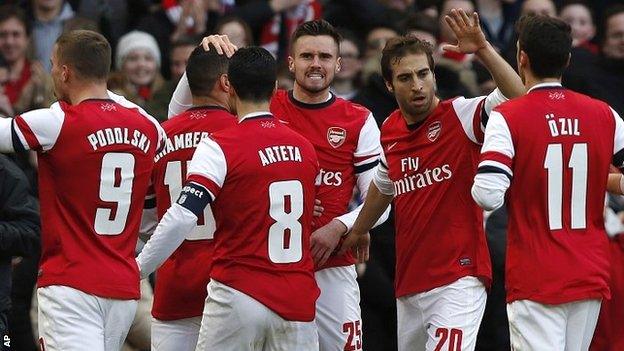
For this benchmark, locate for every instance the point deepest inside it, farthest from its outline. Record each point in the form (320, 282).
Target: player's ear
(338, 64)
(64, 73)
(523, 59)
(224, 83)
(291, 64)
(568, 62)
(389, 86)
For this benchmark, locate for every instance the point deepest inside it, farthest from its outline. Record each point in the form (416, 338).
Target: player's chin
(315, 86)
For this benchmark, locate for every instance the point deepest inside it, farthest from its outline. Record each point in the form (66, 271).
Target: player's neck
(531, 81)
(87, 91)
(244, 108)
(209, 101)
(308, 97)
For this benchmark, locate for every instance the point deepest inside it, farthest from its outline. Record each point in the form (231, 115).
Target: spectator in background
(601, 77)
(613, 44)
(179, 56)
(137, 61)
(362, 16)
(497, 19)
(188, 16)
(19, 229)
(426, 28)
(26, 85)
(180, 52)
(457, 66)
(48, 18)
(377, 38)
(236, 29)
(580, 18)
(529, 7)
(275, 20)
(174, 19)
(347, 81)
(6, 109)
(539, 7)
(374, 94)
(423, 27)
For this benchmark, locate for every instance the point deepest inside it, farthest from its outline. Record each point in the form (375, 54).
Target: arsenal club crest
(434, 131)
(336, 136)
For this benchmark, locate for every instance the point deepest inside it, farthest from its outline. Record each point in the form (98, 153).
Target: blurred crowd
(152, 40)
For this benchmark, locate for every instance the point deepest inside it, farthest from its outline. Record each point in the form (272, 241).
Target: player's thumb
(449, 47)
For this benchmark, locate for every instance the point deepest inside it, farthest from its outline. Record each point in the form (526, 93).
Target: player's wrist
(340, 227)
(485, 48)
(621, 184)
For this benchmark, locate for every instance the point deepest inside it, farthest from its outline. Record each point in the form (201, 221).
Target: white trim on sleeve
(209, 162)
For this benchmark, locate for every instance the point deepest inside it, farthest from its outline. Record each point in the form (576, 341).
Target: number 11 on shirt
(554, 165)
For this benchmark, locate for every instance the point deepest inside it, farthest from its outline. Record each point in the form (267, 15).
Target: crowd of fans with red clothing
(152, 40)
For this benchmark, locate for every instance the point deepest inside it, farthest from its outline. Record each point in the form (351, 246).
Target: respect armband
(194, 198)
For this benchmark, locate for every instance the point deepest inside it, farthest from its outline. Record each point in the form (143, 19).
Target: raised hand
(221, 42)
(470, 37)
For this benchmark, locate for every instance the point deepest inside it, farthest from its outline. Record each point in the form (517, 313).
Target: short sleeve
(368, 147)
(208, 166)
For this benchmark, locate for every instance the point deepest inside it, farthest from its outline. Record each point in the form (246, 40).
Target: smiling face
(314, 62)
(140, 67)
(413, 85)
(580, 20)
(13, 40)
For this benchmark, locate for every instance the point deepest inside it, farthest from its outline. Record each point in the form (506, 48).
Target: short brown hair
(316, 28)
(399, 47)
(87, 52)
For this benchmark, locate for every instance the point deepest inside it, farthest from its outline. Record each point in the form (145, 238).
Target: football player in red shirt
(431, 149)
(549, 153)
(260, 178)
(95, 153)
(181, 282)
(346, 139)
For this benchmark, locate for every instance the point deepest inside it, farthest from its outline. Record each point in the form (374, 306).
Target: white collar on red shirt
(255, 114)
(546, 85)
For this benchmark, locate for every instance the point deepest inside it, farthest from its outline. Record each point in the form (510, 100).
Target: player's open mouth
(419, 99)
(315, 76)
